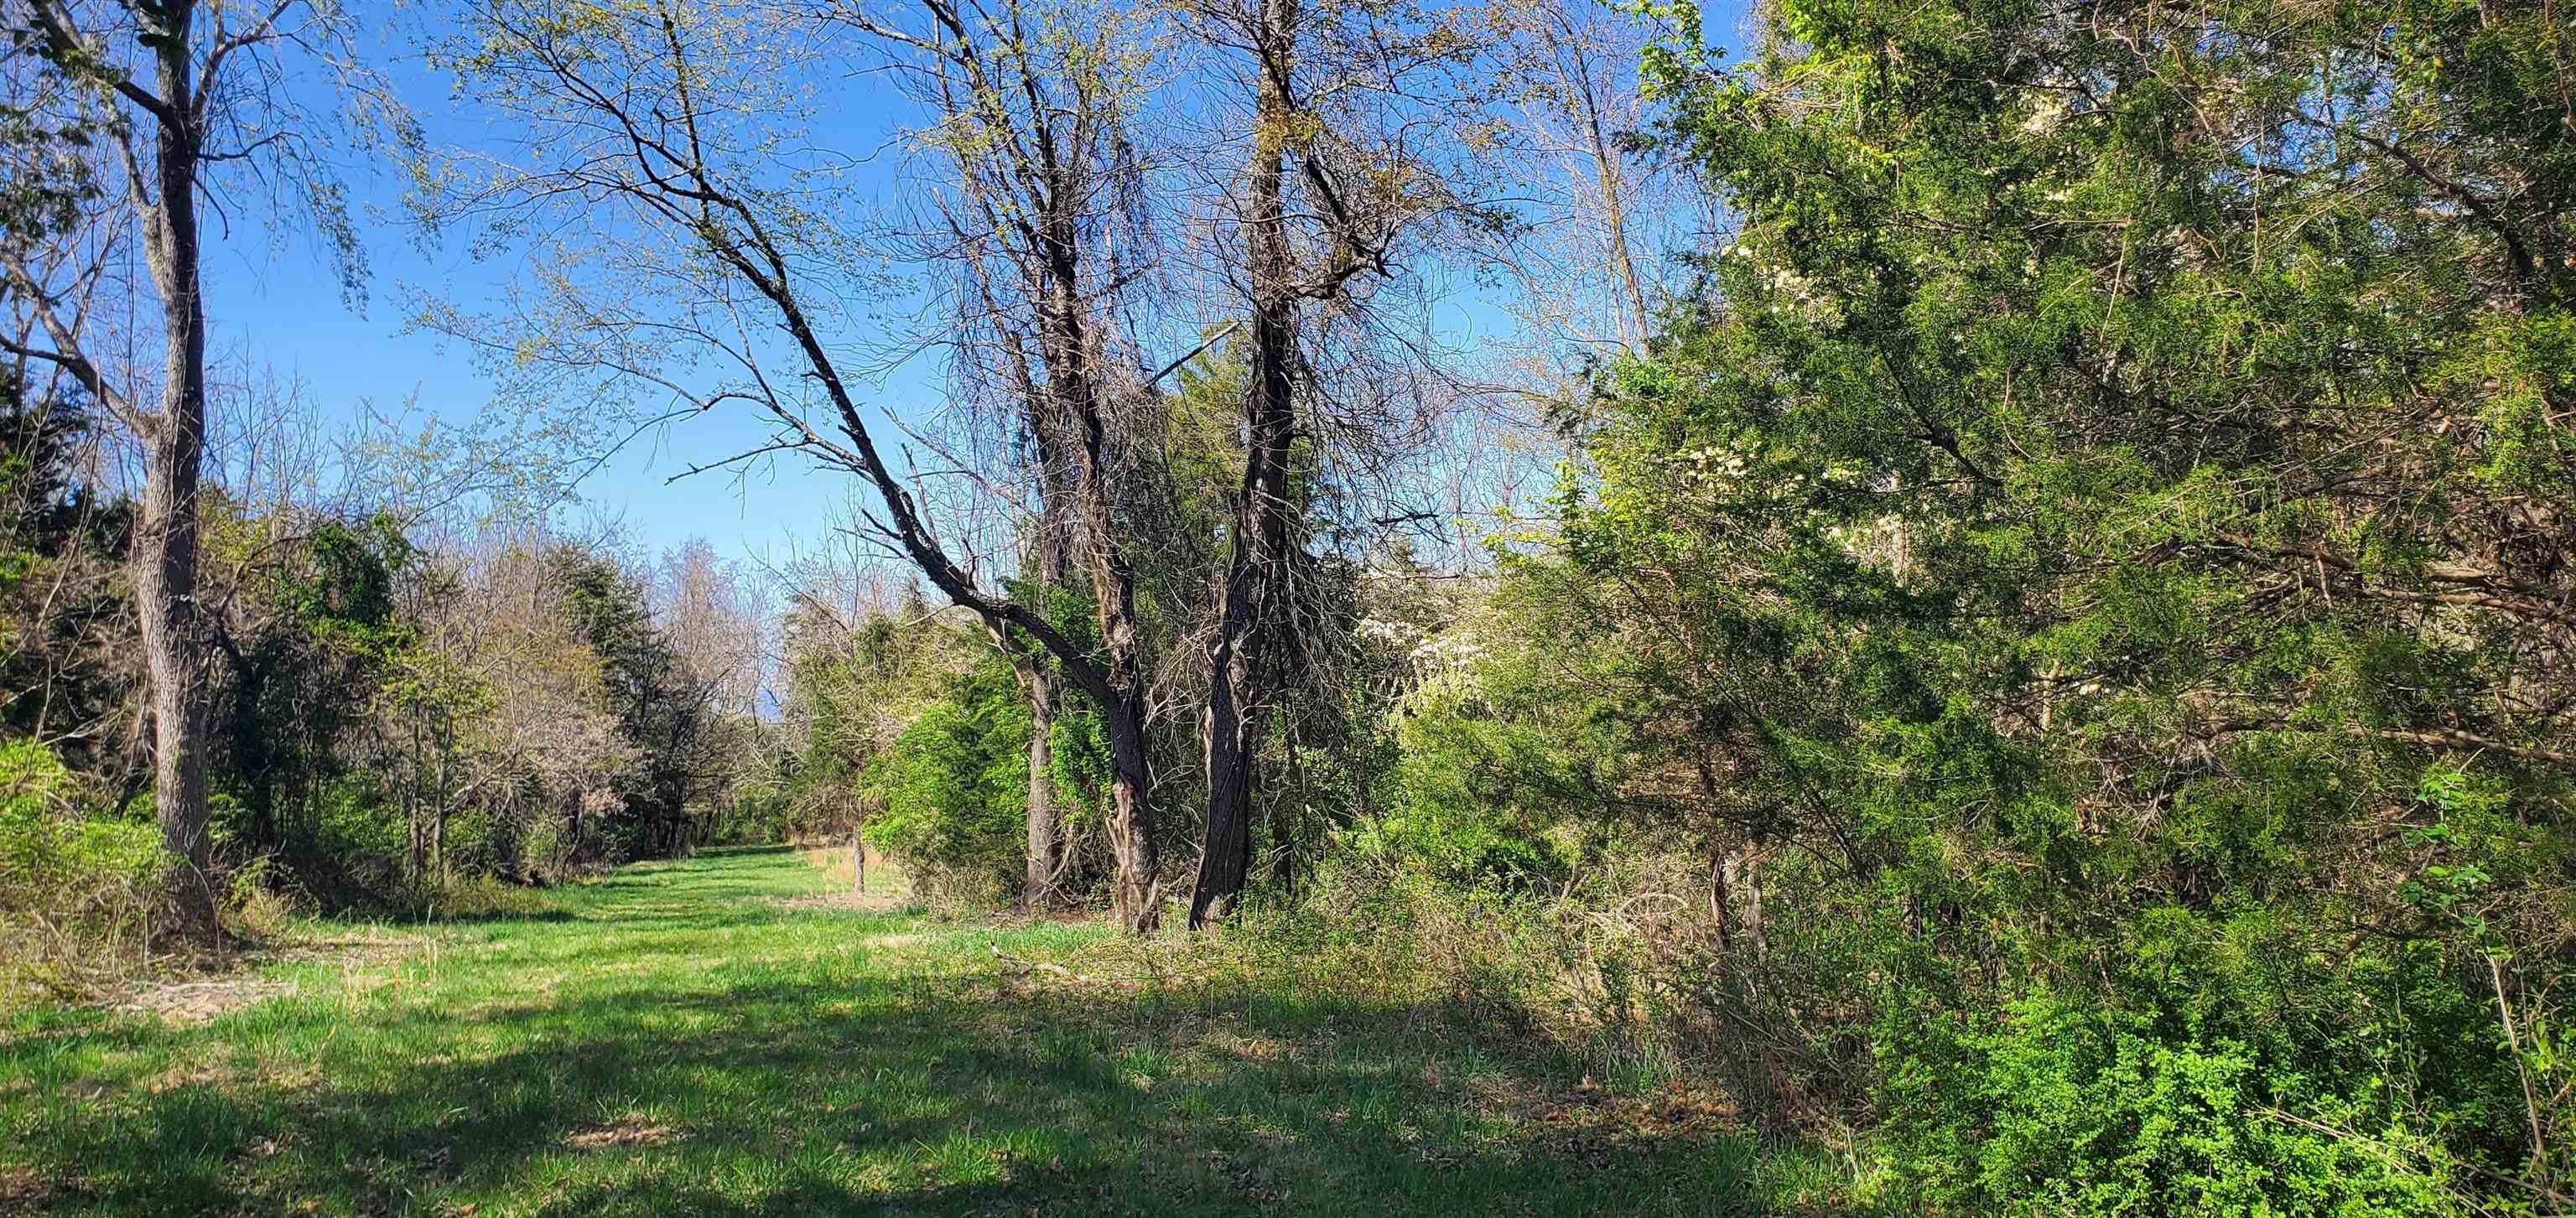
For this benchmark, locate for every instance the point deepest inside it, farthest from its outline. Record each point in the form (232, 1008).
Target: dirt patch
(629, 1132)
(23, 1191)
(189, 1003)
(268, 1147)
(1251, 1048)
(225, 986)
(1591, 1124)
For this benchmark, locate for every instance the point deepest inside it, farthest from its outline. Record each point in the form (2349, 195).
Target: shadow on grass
(494, 917)
(846, 1089)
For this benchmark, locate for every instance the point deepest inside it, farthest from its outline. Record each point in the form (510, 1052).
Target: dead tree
(1336, 175)
(1031, 108)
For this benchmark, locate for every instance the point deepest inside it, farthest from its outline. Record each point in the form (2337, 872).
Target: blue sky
(275, 304)
(285, 311)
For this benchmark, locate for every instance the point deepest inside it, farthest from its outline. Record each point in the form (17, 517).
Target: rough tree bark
(175, 651)
(1136, 896)
(1231, 724)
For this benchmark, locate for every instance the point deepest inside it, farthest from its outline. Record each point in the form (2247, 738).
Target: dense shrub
(954, 789)
(2064, 1102)
(78, 889)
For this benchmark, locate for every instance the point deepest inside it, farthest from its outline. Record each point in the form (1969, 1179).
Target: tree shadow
(847, 1090)
(498, 917)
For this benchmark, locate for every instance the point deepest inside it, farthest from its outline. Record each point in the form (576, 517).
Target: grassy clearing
(705, 1037)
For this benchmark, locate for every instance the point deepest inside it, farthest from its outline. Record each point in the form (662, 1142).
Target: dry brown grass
(629, 1131)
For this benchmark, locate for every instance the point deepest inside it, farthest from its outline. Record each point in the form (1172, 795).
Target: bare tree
(179, 92)
(1043, 224)
(717, 626)
(715, 623)
(657, 141)
(1352, 125)
(501, 698)
(1572, 87)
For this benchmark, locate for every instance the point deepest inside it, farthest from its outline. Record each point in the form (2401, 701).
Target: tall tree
(1044, 226)
(1602, 200)
(176, 90)
(1335, 177)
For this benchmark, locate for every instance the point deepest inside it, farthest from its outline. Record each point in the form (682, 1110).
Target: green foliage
(344, 589)
(2099, 572)
(46, 840)
(77, 889)
(64, 607)
(659, 707)
(1483, 774)
(305, 672)
(954, 789)
(2067, 1104)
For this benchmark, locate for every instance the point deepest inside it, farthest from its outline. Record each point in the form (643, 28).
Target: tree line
(396, 711)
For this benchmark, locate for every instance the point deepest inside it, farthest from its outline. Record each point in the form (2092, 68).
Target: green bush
(351, 851)
(1475, 787)
(2370, 1089)
(77, 890)
(954, 791)
(1466, 851)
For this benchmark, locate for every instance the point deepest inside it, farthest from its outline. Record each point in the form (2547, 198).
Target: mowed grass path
(686, 1038)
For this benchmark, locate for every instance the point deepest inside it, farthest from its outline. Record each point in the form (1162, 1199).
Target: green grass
(673, 1039)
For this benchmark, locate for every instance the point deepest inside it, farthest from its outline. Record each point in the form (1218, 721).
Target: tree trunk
(1228, 735)
(858, 861)
(1231, 726)
(1136, 894)
(1286, 822)
(411, 804)
(1720, 862)
(446, 798)
(1742, 872)
(175, 651)
(1073, 397)
(1037, 887)
(570, 848)
(1634, 320)
(1719, 899)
